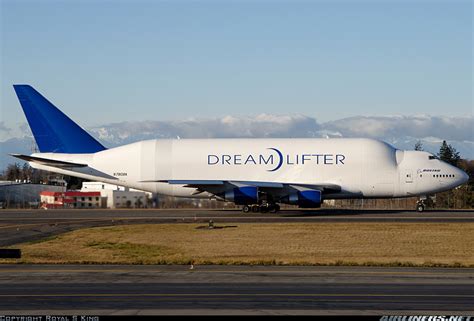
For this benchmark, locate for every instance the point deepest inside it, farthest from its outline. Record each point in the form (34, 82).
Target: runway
(44, 289)
(18, 226)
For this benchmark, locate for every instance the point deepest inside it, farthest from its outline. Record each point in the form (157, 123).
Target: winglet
(53, 131)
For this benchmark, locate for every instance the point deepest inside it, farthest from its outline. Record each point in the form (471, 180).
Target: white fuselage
(364, 168)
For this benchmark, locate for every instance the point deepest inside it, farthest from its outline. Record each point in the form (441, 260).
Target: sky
(112, 61)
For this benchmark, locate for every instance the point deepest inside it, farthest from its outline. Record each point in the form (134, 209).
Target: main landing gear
(262, 208)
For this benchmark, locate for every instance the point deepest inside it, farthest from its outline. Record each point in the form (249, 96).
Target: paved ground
(18, 226)
(105, 289)
(127, 289)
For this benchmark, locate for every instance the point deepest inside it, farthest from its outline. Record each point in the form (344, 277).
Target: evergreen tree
(448, 154)
(419, 145)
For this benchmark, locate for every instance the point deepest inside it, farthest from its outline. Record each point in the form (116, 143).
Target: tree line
(27, 174)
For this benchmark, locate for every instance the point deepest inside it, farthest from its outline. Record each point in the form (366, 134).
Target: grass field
(395, 244)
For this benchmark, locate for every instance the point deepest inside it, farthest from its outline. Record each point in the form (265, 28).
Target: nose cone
(463, 177)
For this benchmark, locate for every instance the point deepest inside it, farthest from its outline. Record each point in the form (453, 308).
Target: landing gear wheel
(255, 208)
(273, 208)
(246, 209)
(420, 208)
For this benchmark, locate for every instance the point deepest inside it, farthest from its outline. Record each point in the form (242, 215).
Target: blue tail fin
(54, 132)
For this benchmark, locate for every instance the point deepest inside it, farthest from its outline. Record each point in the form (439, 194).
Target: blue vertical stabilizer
(54, 132)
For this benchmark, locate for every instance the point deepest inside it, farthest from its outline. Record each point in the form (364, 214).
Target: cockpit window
(432, 157)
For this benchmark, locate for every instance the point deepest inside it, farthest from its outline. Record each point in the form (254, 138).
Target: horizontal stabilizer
(48, 162)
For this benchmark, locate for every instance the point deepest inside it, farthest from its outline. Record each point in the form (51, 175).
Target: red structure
(70, 199)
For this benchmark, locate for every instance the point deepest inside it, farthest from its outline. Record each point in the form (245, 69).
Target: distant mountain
(400, 131)
(14, 146)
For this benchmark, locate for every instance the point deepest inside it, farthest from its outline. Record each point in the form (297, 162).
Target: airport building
(70, 199)
(114, 196)
(24, 194)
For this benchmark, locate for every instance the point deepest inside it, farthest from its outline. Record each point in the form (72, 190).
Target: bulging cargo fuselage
(362, 167)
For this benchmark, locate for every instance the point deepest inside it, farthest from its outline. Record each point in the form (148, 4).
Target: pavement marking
(238, 220)
(235, 294)
(56, 224)
(354, 217)
(185, 269)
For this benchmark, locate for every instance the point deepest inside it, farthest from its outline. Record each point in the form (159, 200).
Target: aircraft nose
(463, 177)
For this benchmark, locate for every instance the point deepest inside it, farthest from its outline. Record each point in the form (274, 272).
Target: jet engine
(304, 199)
(242, 195)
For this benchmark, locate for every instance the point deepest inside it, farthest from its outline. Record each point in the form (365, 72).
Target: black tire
(264, 209)
(255, 208)
(246, 209)
(277, 208)
(420, 208)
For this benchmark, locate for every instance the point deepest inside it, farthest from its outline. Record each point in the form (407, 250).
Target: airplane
(257, 174)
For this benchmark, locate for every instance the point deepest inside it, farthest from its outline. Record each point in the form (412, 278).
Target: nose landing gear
(420, 206)
(425, 202)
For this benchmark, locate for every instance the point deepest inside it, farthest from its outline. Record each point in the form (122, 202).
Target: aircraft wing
(198, 183)
(217, 186)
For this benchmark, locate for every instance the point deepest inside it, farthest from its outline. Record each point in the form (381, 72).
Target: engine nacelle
(244, 195)
(305, 199)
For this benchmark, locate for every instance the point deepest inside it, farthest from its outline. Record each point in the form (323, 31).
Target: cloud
(19, 131)
(4, 130)
(265, 125)
(400, 130)
(442, 127)
(262, 125)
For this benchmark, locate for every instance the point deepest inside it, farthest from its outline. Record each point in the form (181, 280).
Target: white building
(114, 196)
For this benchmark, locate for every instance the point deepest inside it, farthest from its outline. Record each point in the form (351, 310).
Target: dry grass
(404, 244)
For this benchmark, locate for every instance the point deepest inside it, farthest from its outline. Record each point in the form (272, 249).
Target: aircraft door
(408, 180)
